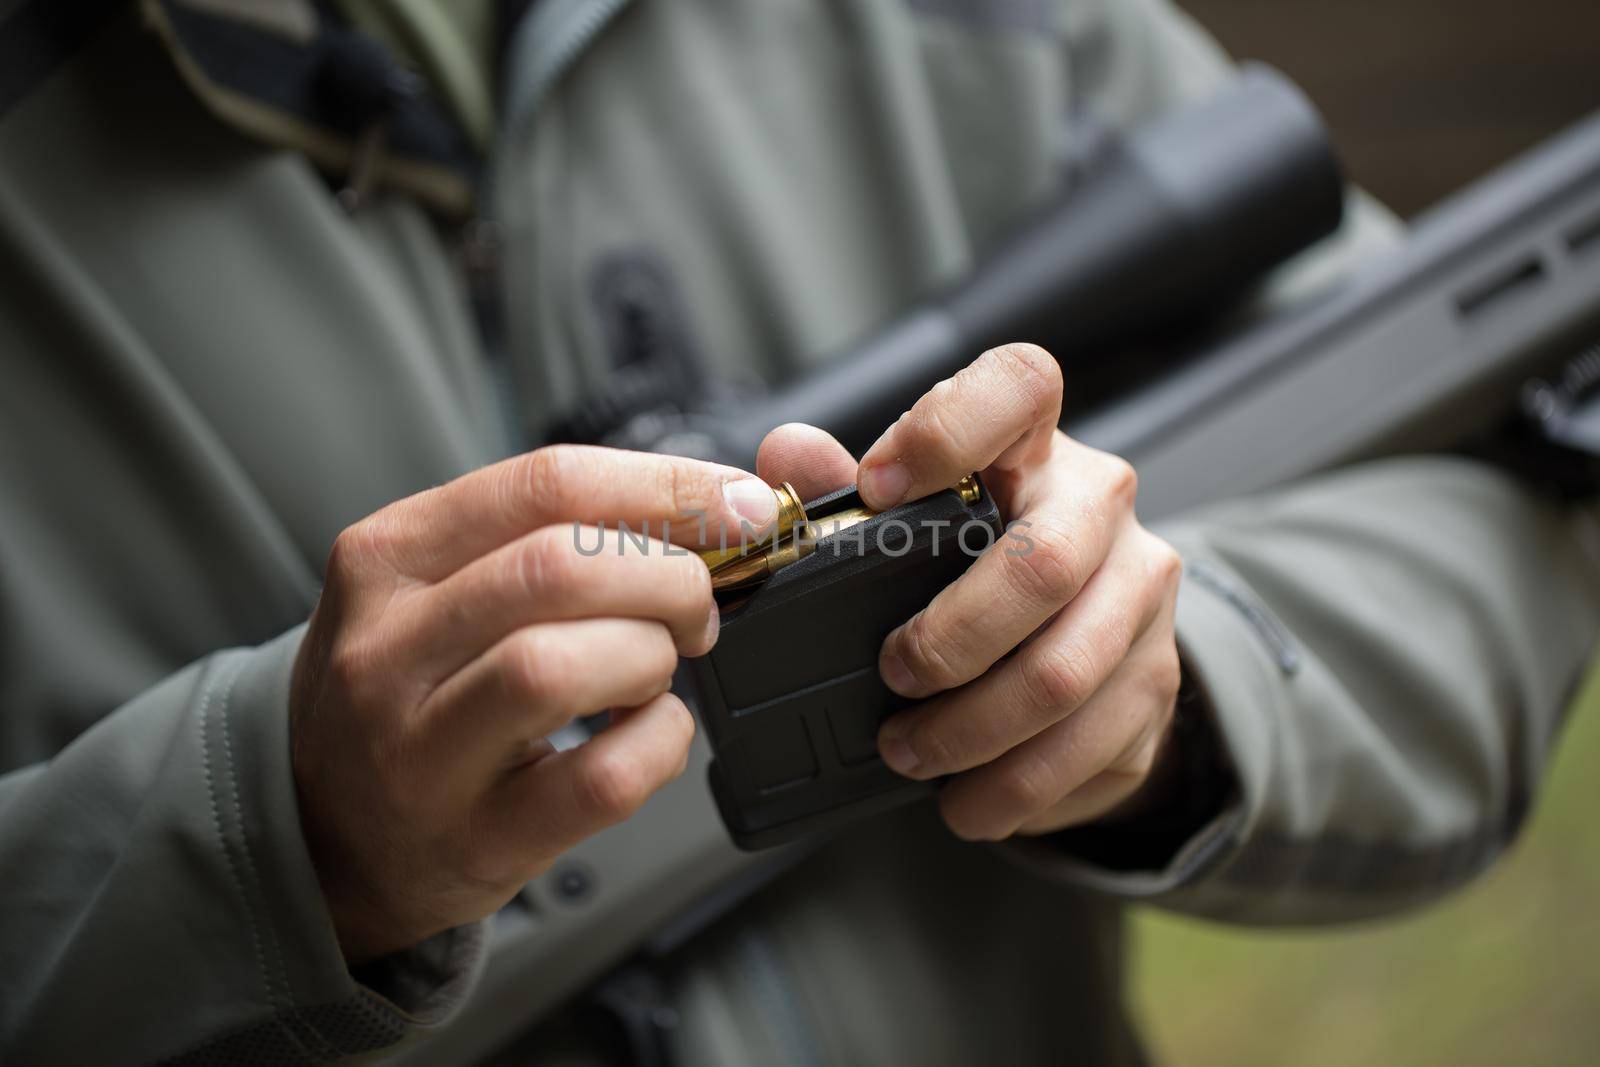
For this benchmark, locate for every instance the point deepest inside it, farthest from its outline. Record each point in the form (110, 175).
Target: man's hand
(457, 629)
(1050, 667)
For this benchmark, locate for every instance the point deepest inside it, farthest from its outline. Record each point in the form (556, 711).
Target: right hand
(456, 630)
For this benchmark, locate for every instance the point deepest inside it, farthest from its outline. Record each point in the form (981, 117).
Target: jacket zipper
(551, 38)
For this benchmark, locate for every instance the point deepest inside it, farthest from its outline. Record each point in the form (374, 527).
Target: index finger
(684, 501)
(1001, 408)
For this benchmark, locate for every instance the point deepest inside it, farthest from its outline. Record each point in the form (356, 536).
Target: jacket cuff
(253, 793)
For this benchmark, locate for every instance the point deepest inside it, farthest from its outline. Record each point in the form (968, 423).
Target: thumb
(807, 458)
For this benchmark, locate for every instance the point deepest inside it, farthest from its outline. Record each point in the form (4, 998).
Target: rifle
(1422, 347)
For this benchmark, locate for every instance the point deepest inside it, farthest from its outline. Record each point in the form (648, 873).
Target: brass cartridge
(791, 514)
(733, 570)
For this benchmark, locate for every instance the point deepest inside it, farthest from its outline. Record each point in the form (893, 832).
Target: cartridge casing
(791, 515)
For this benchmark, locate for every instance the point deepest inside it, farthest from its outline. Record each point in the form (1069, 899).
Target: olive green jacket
(209, 368)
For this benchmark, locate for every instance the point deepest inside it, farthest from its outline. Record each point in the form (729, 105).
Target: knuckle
(542, 470)
(696, 582)
(1166, 563)
(1166, 677)
(343, 669)
(945, 391)
(685, 490)
(1035, 374)
(542, 563)
(659, 654)
(931, 428)
(555, 474)
(1059, 677)
(683, 731)
(1027, 789)
(344, 557)
(485, 869)
(360, 546)
(924, 649)
(961, 816)
(1122, 480)
(533, 667)
(930, 739)
(983, 814)
(1143, 760)
(612, 786)
(1053, 571)
(350, 665)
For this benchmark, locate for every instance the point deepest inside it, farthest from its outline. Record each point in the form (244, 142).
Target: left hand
(1051, 671)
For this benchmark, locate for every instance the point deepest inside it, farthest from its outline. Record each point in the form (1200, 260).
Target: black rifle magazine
(790, 697)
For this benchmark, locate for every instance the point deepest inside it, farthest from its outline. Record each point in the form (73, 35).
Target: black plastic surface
(790, 697)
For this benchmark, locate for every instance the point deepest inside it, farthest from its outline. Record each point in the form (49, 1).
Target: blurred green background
(1423, 96)
(1506, 970)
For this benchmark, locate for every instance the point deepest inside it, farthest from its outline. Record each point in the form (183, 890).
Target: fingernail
(897, 753)
(897, 676)
(713, 627)
(753, 501)
(886, 484)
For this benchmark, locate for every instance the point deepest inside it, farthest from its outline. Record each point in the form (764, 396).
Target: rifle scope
(1181, 215)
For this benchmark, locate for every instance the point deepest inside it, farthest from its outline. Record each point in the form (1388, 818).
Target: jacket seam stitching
(271, 938)
(222, 840)
(252, 920)
(292, 1014)
(244, 843)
